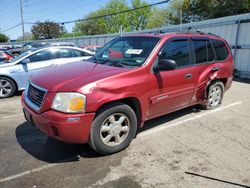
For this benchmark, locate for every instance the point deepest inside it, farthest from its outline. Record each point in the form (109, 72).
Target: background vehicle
(25, 47)
(131, 79)
(5, 55)
(62, 44)
(14, 75)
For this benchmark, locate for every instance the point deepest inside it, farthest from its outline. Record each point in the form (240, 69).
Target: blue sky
(41, 10)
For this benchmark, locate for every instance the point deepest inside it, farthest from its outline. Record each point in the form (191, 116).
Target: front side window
(220, 50)
(41, 56)
(127, 51)
(178, 51)
(203, 51)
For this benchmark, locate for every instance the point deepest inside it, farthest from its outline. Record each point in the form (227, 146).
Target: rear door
(204, 58)
(173, 89)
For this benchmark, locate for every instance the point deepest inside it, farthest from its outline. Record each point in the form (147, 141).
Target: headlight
(69, 102)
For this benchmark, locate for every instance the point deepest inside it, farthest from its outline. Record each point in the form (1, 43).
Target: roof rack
(197, 32)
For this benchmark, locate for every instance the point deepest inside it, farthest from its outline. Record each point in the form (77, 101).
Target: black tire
(212, 103)
(9, 90)
(96, 136)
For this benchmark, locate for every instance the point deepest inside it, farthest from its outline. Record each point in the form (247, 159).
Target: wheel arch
(133, 102)
(223, 80)
(4, 76)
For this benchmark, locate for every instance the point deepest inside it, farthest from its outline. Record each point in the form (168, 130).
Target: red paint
(157, 94)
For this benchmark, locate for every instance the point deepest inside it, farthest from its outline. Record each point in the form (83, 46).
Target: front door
(38, 61)
(173, 89)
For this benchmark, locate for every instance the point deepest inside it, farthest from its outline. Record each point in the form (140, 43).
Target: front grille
(36, 95)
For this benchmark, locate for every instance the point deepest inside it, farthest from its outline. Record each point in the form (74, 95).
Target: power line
(97, 17)
(10, 28)
(112, 14)
(115, 13)
(61, 11)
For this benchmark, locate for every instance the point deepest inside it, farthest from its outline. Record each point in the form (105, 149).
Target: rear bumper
(59, 125)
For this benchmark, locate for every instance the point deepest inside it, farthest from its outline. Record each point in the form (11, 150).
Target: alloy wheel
(5, 88)
(115, 129)
(215, 95)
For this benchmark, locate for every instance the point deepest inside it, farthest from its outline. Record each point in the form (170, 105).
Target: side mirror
(25, 61)
(164, 65)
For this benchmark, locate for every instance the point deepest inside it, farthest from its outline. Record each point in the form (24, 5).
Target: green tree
(175, 12)
(138, 19)
(92, 26)
(158, 18)
(3, 38)
(46, 30)
(209, 9)
(133, 20)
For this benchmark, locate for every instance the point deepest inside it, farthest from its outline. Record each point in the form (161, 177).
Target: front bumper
(60, 125)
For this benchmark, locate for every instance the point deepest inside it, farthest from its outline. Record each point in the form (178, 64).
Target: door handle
(52, 65)
(189, 75)
(215, 69)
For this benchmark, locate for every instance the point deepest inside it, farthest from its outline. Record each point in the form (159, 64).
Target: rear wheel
(214, 96)
(7, 87)
(113, 129)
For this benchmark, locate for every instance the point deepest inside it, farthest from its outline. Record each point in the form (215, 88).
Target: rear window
(220, 50)
(203, 51)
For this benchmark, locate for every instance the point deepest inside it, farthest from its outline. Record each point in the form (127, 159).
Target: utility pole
(181, 19)
(21, 11)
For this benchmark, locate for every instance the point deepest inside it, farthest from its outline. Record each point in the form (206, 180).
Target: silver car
(15, 74)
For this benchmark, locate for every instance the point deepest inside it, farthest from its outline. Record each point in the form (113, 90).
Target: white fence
(235, 29)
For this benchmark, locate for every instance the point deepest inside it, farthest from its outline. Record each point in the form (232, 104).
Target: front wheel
(7, 87)
(214, 95)
(113, 129)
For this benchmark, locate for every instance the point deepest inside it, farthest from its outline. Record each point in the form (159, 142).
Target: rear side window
(220, 50)
(178, 51)
(68, 53)
(203, 51)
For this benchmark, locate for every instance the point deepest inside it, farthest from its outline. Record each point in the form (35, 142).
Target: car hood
(73, 76)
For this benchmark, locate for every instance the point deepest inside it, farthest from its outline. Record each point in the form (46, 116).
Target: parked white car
(14, 75)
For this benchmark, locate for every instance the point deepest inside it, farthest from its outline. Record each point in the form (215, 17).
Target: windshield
(20, 56)
(127, 51)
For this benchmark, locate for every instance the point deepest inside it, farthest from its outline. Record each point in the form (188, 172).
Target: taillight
(7, 56)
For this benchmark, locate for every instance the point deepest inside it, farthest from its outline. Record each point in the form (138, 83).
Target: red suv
(105, 100)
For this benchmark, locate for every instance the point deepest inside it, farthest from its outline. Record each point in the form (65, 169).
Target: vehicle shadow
(48, 149)
(168, 117)
(246, 81)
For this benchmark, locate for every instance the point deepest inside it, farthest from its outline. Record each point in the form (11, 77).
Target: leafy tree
(3, 38)
(46, 30)
(179, 11)
(209, 9)
(133, 20)
(92, 26)
(138, 19)
(158, 18)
